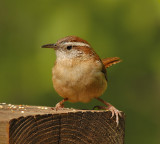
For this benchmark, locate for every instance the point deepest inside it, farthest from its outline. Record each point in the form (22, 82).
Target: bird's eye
(69, 47)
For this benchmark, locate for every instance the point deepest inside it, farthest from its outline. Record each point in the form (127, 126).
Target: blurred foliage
(128, 29)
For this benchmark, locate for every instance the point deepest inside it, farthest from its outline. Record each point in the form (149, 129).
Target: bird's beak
(49, 46)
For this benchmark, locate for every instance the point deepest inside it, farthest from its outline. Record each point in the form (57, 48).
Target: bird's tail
(110, 61)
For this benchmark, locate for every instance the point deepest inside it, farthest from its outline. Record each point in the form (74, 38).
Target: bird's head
(71, 47)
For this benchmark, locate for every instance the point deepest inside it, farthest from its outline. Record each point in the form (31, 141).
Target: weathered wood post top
(22, 124)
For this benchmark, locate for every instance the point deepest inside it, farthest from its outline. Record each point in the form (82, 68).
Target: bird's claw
(58, 106)
(115, 112)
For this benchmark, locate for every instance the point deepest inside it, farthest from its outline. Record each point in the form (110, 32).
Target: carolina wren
(79, 75)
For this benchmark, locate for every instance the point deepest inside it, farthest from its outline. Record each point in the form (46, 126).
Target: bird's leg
(111, 108)
(60, 104)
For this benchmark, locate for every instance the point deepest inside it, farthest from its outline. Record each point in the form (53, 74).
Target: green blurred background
(128, 29)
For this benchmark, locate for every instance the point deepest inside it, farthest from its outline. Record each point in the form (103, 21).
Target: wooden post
(22, 124)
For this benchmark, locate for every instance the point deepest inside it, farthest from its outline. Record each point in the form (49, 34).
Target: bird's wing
(110, 61)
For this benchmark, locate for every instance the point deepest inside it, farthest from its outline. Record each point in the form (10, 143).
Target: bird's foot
(111, 108)
(115, 112)
(60, 105)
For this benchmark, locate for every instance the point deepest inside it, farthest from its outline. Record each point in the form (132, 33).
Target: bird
(79, 75)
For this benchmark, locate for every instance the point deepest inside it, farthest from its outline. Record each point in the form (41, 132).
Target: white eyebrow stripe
(76, 44)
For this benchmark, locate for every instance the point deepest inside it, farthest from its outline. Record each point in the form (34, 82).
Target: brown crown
(72, 39)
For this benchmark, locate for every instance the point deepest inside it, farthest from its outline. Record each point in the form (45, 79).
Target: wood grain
(21, 124)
